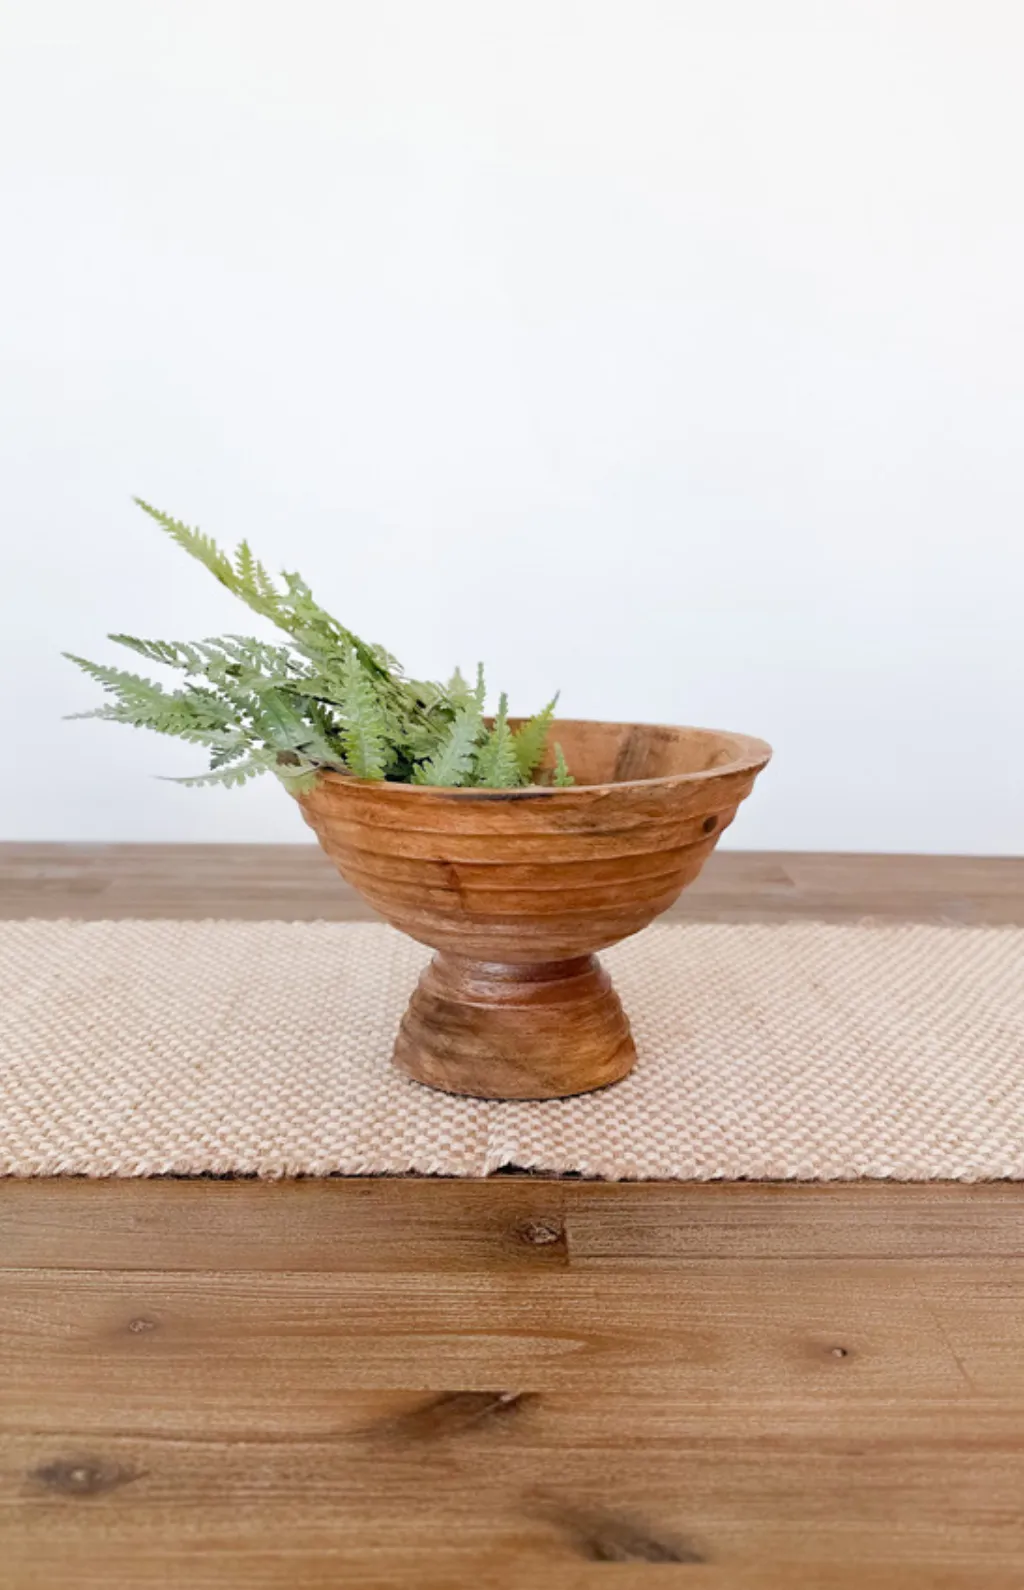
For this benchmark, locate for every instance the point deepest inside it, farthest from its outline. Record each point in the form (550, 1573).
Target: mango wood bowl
(516, 890)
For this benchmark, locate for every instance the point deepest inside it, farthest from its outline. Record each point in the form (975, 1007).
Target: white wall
(666, 351)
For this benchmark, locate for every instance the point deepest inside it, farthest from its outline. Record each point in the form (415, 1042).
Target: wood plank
(297, 882)
(420, 1224)
(535, 1485)
(184, 1346)
(654, 1426)
(109, 1566)
(509, 1222)
(697, 1503)
(662, 1225)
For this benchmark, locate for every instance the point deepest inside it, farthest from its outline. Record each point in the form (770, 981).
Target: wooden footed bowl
(516, 890)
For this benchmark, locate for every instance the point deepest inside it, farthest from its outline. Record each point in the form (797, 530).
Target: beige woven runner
(796, 1050)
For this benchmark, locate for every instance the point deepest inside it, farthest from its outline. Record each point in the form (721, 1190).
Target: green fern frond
(297, 781)
(496, 766)
(531, 740)
(223, 756)
(321, 699)
(276, 719)
(252, 576)
(457, 691)
(561, 777)
(171, 653)
(255, 584)
(196, 544)
(260, 654)
(265, 586)
(426, 696)
(315, 631)
(146, 705)
(363, 733)
(386, 661)
(452, 763)
(234, 668)
(296, 775)
(283, 722)
(133, 691)
(324, 722)
(238, 774)
(112, 678)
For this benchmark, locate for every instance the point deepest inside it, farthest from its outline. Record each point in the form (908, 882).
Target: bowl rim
(754, 754)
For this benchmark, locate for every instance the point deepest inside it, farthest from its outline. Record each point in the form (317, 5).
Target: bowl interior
(615, 753)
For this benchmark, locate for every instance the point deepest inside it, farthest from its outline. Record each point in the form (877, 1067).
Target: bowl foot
(497, 1031)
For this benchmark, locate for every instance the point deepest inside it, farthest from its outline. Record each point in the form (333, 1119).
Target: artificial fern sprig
(322, 700)
(497, 766)
(561, 778)
(364, 731)
(531, 740)
(452, 764)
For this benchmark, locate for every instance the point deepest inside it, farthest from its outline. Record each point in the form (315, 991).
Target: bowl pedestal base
(543, 1030)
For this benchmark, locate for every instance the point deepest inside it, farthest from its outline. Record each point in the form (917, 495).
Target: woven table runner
(797, 1050)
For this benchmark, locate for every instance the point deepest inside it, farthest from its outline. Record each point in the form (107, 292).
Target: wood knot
(451, 1413)
(83, 1476)
(839, 1352)
(709, 824)
(140, 1324)
(601, 1535)
(541, 1233)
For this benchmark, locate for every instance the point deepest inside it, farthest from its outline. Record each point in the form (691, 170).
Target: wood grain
(384, 1224)
(607, 1385)
(139, 1567)
(781, 1328)
(516, 889)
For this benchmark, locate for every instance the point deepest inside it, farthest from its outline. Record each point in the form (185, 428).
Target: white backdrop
(667, 352)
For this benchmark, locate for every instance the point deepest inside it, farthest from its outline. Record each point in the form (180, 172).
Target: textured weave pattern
(796, 1050)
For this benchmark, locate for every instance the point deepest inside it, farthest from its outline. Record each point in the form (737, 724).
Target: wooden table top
(518, 1382)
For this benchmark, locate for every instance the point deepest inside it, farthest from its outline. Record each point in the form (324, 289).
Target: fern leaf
(532, 739)
(315, 631)
(452, 763)
(496, 766)
(238, 774)
(106, 712)
(260, 655)
(197, 545)
(223, 756)
(318, 635)
(383, 657)
(293, 772)
(172, 653)
(112, 678)
(424, 696)
(245, 578)
(256, 585)
(245, 566)
(457, 691)
(326, 725)
(364, 728)
(561, 777)
(297, 781)
(142, 696)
